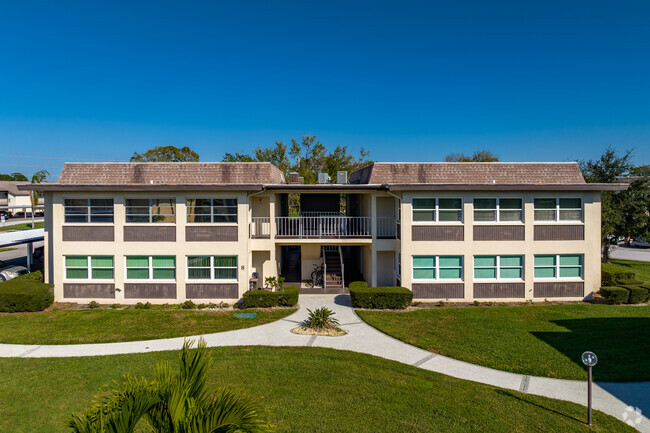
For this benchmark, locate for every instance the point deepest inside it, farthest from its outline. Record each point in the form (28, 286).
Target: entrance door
(290, 264)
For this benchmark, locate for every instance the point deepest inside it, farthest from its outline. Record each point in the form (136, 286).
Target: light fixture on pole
(589, 359)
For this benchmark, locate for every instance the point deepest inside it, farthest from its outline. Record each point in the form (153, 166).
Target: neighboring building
(13, 199)
(167, 232)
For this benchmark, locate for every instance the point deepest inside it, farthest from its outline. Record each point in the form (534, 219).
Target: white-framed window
(558, 209)
(212, 268)
(150, 210)
(88, 210)
(150, 267)
(89, 268)
(498, 210)
(212, 210)
(437, 268)
(444, 210)
(559, 266)
(499, 267)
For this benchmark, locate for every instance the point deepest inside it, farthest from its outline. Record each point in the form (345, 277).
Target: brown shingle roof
(12, 187)
(170, 173)
(469, 173)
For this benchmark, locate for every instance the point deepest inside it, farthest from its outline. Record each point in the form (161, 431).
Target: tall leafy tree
(14, 177)
(478, 156)
(37, 177)
(166, 154)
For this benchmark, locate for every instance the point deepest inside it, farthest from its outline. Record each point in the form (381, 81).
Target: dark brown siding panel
(499, 233)
(211, 233)
(89, 290)
(149, 233)
(212, 291)
(439, 290)
(560, 233)
(499, 290)
(88, 233)
(437, 233)
(559, 290)
(150, 291)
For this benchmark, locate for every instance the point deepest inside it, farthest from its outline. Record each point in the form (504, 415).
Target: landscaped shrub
(629, 282)
(638, 294)
(141, 306)
(261, 298)
(93, 304)
(35, 276)
(188, 305)
(615, 295)
(25, 295)
(289, 296)
(320, 319)
(612, 278)
(363, 296)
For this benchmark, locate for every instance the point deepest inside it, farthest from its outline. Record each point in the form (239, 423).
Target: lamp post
(589, 359)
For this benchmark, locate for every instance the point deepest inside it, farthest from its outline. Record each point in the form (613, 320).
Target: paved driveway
(630, 253)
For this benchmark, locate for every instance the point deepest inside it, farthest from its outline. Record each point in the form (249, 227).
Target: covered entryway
(291, 263)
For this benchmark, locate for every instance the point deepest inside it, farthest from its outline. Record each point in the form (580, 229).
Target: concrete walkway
(611, 398)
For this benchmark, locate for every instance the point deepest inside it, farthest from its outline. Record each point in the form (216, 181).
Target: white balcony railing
(261, 227)
(386, 227)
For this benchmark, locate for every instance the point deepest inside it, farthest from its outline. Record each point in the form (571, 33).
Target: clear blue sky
(531, 81)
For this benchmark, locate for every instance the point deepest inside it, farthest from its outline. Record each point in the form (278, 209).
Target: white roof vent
(323, 178)
(342, 177)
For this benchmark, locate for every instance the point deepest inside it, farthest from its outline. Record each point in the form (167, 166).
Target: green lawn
(641, 269)
(305, 389)
(23, 226)
(105, 326)
(539, 340)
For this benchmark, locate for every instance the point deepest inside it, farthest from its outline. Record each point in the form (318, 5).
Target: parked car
(38, 253)
(8, 272)
(5, 213)
(639, 243)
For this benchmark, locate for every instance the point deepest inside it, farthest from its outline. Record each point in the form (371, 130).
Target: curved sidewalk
(611, 398)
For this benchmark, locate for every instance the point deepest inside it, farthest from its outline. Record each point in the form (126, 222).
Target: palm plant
(173, 402)
(37, 177)
(321, 318)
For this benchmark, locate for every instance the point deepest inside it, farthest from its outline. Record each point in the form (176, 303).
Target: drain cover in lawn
(246, 315)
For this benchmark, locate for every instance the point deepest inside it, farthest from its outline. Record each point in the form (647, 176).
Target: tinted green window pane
(510, 272)
(225, 218)
(101, 261)
(571, 260)
(485, 215)
(424, 274)
(163, 218)
(424, 262)
(198, 274)
(198, 262)
(137, 219)
(225, 261)
(424, 215)
(510, 203)
(225, 274)
(449, 203)
(485, 203)
(485, 273)
(570, 272)
(512, 261)
(510, 215)
(206, 202)
(446, 274)
(230, 202)
(137, 274)
(570, 203)
(81, 274)
(102, 274)
(544, 260)
(75, 202)
(76, 261)
(449, 215)
(570, 215)
(164, 274)
(198, 218)
(544, 215)
(163, 261)
(450, 261)
(544, 272)
(137, 262)
(545, 203)
(424, 203)
(485, 261)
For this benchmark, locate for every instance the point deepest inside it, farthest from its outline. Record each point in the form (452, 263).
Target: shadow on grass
(522, 399)
(621, 344)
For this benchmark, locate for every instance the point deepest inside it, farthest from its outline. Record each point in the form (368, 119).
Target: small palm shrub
(321, 318)
(93, 304)
(188, 305)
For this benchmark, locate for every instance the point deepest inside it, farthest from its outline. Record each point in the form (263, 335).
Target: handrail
(323, 226)
(342, 269)
(260, 227)
(324, 268)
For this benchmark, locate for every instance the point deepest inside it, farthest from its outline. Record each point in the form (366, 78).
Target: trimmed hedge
(392, 298)
(264, 298)
(34, 276)
(638, 295)
(18, 295)
(615, 295)
(609, 279)
(629, 282)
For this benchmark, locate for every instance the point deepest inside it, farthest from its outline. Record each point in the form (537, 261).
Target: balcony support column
(272, 222)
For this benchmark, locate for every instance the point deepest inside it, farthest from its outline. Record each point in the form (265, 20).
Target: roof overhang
(507, 187)
(330, 187)
(140, 187)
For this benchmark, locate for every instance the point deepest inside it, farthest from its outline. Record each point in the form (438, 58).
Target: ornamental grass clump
(320, 322)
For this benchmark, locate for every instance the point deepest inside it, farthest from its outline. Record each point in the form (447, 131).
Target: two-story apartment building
(167, 232)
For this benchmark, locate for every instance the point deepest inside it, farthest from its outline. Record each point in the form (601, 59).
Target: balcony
(323, 227)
